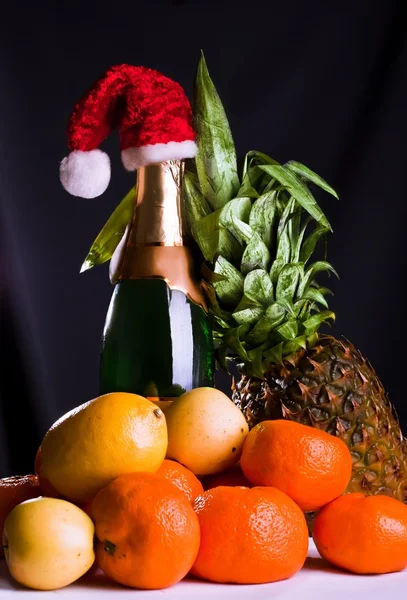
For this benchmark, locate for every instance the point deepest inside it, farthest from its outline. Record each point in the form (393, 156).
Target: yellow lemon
(96, 442)
(206, 431)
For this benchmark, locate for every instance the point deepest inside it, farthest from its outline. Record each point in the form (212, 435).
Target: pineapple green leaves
(216, 159)
(298, 190)
(257, 236)
(310, 176)
(112, 232)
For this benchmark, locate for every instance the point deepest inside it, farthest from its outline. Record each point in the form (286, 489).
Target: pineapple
(259, 235)
(333, 387)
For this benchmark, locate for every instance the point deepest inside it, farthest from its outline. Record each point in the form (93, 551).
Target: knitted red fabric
(145, 106)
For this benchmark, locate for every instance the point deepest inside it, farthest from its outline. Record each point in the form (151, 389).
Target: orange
(147, 533)
(232, 476)
(363, 534)
(13, 491)
(311, 466)
(96, 442)
(255, 535)
(182, 478)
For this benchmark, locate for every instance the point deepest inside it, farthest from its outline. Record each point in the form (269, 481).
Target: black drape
(319, 82)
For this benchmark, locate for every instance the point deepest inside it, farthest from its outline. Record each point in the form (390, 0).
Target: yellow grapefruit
(96, 442)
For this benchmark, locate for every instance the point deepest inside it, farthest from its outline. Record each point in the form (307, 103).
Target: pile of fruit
(150, 497)
(262, 236)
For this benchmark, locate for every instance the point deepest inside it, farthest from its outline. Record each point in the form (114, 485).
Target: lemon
(96, 442)
(206, 431)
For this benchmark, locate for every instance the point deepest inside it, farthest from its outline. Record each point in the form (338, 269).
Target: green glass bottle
(157, 339)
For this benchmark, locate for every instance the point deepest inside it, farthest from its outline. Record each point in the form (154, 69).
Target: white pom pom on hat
(152, 114)
(85, 174)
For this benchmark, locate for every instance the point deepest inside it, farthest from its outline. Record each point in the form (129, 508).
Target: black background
(319, 82)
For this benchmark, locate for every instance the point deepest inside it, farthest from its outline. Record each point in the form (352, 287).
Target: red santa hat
(152, 114)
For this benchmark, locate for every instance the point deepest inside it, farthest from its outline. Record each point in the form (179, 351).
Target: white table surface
(316, 581)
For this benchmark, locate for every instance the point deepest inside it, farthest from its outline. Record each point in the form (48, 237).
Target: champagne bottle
(157, 340)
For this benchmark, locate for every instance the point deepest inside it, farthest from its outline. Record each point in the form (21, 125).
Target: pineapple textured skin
(334, 388)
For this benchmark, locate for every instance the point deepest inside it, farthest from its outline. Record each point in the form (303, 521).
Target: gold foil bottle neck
(157, 217)
(152, 247)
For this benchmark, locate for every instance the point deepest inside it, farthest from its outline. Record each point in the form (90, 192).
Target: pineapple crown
(257, 234)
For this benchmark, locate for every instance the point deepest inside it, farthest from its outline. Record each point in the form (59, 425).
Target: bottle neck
(152, 247)
(157, 219)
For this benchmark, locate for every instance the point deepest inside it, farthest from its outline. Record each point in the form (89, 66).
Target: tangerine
(147, 533)
(363, 534)
(182, 478)
(256, 535)
(311, 466)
